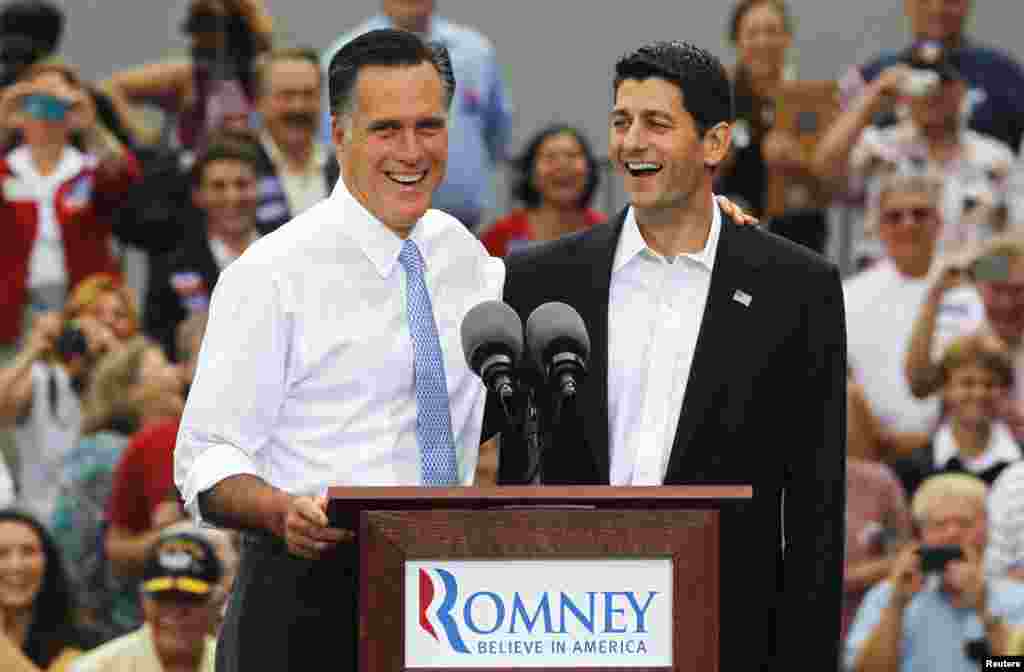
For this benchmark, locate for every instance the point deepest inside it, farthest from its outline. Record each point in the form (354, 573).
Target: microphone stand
(531, 435)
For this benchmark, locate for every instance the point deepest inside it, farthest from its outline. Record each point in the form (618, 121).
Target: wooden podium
(592, 530)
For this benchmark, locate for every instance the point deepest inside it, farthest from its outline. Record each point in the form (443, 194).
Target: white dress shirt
(305, 375)
(654, 315)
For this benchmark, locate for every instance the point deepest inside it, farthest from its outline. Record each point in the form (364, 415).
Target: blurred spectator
(762, 32)
(556, 179)
(138, 506)
(225, 544)
(40, 390)
(132, 388)
(877, 517)
(480, 118)
(976, 168)
(932, 619)
(37, 617)
(31, 32)
(215, 84)
(179, 589)
(225, 191)
(1004, 555)
(975, 372)
(995, 104)
(882, 302)
(996, 273)
(296, 170)
(57, 200)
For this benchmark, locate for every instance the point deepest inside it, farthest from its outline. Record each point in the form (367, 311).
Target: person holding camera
(937, 612)
(996, 274)
(40, 390)
(57, 199)
(927, 83)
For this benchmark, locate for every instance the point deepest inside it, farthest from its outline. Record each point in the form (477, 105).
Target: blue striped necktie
(433, 419)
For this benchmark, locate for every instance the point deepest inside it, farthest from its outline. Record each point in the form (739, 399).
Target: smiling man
(717, 356)
(330, 359)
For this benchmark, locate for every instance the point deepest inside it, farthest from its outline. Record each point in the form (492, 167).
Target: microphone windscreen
(491, 323)
(556, 321)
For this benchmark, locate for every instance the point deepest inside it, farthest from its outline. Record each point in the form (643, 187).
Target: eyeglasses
(917, 215)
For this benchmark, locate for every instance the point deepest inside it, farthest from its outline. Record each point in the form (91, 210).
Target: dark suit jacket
(180, 282)
(765, 405)
(273, 210)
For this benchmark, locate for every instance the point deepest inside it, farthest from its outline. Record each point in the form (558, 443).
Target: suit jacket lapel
(596, 256)
(722, 328)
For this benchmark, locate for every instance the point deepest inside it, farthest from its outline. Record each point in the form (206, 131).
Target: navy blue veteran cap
(181, 562)
(934, 56)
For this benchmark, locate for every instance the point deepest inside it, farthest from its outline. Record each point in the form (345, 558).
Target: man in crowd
(936, 613)
(225, 192)
(296, 170)
(995, 104)
(179, 589)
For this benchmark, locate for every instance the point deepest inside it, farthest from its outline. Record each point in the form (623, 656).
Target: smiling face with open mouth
(655, 145)
(393, 147)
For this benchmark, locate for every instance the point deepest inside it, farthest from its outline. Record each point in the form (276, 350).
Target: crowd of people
(124, 220)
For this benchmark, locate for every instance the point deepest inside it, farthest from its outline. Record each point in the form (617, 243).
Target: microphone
(492, 341)
(558, 342)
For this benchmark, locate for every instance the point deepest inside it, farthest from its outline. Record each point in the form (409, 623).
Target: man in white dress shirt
(326, 362)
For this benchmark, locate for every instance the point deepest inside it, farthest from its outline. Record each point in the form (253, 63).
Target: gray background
(557, 55)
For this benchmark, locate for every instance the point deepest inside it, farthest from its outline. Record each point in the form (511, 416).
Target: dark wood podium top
(352, 499)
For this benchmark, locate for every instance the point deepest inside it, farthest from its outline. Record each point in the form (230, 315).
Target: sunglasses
(45, 107)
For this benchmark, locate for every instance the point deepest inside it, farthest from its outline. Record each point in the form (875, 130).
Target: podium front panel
(457, 589)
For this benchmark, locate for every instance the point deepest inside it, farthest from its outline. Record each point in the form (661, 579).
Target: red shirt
(144, 476)
(513, 231)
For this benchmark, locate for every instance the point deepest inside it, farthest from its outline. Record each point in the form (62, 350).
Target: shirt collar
(223, 255)
(1001, 448)
(317, 158)
(437, 32)
(380, 245)
(632, 243)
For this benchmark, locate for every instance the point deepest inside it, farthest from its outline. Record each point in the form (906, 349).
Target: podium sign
(598, 613)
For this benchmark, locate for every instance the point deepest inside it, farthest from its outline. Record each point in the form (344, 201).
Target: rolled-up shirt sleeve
(239, 383)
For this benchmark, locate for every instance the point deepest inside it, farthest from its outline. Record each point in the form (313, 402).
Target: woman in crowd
(57, 200)
(131, 389)
(41, 389)
(762, 32)
(976, 372)
(214, 83)
(37, 616)
(557, 177)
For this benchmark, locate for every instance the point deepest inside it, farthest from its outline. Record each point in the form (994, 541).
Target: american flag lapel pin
(742, 297)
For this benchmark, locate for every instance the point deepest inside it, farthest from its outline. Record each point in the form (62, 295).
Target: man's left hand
(735, 212)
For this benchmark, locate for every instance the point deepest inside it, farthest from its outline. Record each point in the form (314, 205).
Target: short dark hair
(42, 22)
(265, 61)
(524, 190)
(388, 48)
(701, 78)
(227, 145)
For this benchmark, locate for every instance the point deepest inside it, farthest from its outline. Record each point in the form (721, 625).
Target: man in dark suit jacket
(225, 195)
(718, 356)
